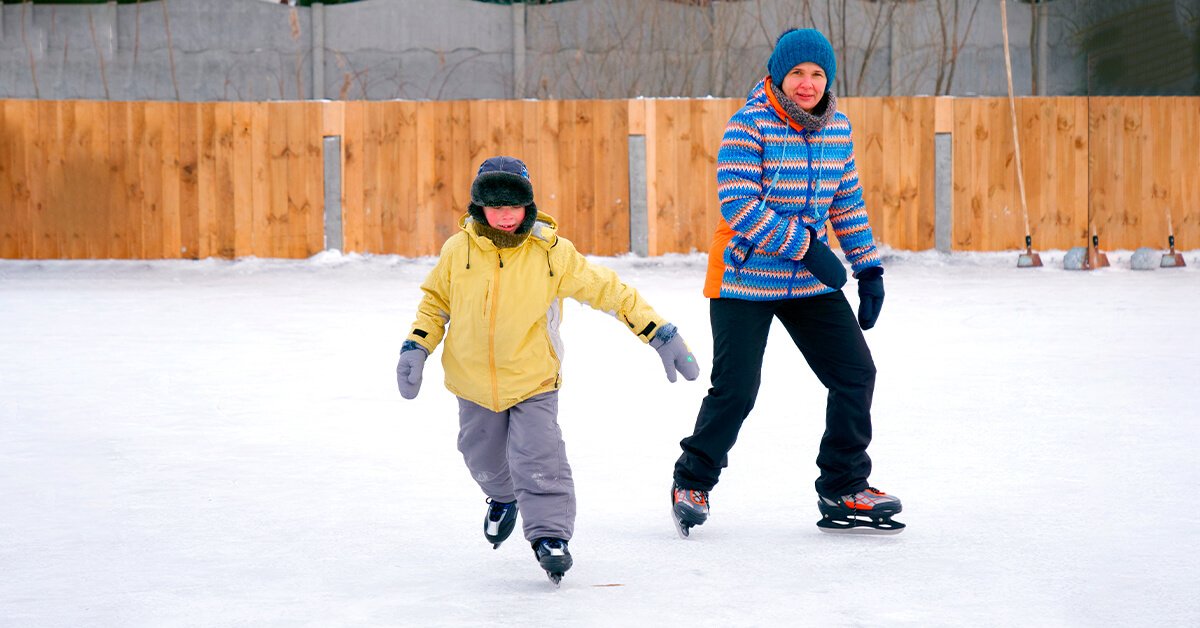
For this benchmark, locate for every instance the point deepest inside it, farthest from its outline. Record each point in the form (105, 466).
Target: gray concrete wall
(459, 49)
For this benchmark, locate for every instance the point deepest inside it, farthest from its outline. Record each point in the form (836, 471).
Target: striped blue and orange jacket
(805, 178)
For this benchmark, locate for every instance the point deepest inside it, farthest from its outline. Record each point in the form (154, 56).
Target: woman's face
(505, 218)
(805, 85)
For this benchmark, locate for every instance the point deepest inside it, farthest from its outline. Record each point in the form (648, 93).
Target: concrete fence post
(332, 153)
(639, 217)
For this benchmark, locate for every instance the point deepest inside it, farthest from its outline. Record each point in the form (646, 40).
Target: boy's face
(506, 218)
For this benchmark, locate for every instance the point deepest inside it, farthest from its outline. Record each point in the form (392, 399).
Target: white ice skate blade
(680, 529)
(861, 530)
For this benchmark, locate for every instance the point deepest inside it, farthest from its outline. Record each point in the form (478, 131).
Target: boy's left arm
(600, 288)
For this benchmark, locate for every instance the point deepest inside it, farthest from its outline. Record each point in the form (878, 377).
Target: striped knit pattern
(817, 182)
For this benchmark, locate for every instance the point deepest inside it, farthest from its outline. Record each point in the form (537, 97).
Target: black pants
(826, 331)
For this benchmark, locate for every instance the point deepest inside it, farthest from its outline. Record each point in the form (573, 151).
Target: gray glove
(674, 353)
(410, 369)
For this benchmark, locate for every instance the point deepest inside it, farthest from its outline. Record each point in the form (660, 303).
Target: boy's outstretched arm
(601, 288)
(427, 331)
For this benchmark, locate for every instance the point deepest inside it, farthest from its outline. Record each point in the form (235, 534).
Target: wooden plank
(353, 178)
(375, 218)
(969, 169)
(652, 155)
(278, 233)
(1185, 133)
(890, 225)
(404, 179)
(225, 209)
(9, 232)
(693, 186)
(636, 108)
(118, 166)
(584, 226)
(479, 136)
(1106, 150)
(568, 175)
(612, 179)
(207, 216)
(1082, 170)
(460, 171)
(14, 228)
(314, 177)
(872, 162)
(669, 118)
(544, 172)
(152, 183)
(1119, 229)
(387, 199)
(430, 163)
(78, 179)
(47, 243)
(243, 180)
(944, 118)
(260, 182)
(531, 121)
(189, 180)
(298, 207)
(1037, 167)
(172, 236)
(925, 203)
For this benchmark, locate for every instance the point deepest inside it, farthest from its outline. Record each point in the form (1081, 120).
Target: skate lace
(496, 512)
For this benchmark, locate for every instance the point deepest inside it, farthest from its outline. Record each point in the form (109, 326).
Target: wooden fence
(146, 180)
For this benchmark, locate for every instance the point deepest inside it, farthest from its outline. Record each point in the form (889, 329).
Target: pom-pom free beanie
(800, 45)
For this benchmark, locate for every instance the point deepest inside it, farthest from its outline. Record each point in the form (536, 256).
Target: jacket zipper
(492, 334)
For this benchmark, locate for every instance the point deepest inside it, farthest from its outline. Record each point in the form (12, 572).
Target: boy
(499, 283)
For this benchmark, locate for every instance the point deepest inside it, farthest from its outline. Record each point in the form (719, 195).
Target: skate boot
(499, 522)
(688, 508)
(868, 511)
(553, 556)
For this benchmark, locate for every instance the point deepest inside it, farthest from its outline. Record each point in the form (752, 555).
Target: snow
(221, 443)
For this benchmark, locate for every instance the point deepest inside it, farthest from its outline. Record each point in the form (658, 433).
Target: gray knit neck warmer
(814, 121)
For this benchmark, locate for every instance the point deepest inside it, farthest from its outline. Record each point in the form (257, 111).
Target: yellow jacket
(504, 307)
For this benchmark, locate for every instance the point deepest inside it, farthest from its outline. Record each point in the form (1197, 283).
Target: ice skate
(499, 522)
(688, 508)
(868, 511)
(554, 557)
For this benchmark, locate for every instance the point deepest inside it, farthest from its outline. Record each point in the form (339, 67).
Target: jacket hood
(757, 96)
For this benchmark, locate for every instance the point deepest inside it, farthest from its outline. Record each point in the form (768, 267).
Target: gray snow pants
(519, 455)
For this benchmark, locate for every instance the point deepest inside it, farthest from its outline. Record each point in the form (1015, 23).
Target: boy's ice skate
(499, 522)
(553, 556)
(688, 508)
(868, 511)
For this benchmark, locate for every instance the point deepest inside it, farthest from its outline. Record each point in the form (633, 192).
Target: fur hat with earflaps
(502, 182)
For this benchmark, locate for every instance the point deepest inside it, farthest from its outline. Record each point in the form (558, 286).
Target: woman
(785, 167)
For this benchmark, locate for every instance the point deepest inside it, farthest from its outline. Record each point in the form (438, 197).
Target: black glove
(823, 263)
(870, 296)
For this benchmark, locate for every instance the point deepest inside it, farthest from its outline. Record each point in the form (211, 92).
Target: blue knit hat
(800, 45)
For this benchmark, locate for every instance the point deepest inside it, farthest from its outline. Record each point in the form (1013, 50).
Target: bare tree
(949, 14)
